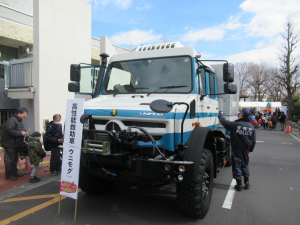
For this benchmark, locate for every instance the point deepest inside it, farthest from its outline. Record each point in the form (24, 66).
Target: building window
(8, 53)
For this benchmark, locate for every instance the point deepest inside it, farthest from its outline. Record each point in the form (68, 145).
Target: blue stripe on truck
(151, 114)
(167, 140)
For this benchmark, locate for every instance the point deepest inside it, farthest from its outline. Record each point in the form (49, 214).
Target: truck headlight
(181, 168)
(167, 167)
(180, 177)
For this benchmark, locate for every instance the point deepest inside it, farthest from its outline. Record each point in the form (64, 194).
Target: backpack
(46, 143)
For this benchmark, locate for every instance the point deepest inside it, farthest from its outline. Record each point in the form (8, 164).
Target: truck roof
(160, 53)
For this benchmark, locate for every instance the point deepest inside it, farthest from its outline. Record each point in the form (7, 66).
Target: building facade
(38, 42)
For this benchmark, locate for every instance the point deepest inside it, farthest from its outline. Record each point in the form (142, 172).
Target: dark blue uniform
(243, 138)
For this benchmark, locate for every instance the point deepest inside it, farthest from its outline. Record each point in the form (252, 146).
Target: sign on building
(72, 148)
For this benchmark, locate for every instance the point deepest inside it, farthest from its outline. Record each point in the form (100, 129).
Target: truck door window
(212, 85)
(201, 83)
(88, 79)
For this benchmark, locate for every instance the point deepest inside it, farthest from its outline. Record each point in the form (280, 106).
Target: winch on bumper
(152, 169)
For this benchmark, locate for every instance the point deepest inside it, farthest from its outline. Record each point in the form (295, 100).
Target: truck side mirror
(230, 88)
(228, 72)
(75, 72)
(161, 106)
(74, 87)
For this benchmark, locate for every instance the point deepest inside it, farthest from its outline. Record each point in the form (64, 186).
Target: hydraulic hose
(186, 111)
(151, 138)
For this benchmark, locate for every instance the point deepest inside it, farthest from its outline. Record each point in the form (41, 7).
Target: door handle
(217, 108)
(208, 107)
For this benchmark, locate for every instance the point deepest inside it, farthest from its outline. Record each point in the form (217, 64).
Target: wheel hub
(205, 185)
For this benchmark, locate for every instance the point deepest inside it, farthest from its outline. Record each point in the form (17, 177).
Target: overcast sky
(236, 30)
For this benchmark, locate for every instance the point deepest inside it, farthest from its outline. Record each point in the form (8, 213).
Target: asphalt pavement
(274, 197)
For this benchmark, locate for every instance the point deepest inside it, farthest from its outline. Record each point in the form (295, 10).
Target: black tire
(93, 185)
(192, 198)
(229, 162)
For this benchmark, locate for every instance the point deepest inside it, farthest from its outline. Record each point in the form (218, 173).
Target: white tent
(260, 106)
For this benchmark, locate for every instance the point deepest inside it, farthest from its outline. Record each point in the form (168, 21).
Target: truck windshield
(149, 75)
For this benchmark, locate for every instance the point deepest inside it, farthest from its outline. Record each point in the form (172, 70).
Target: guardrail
(19, 73)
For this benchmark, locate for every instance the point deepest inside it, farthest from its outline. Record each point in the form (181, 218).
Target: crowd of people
(17, 141)
(267, 120)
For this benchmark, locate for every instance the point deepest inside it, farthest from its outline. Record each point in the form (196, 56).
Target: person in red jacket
(260, 123)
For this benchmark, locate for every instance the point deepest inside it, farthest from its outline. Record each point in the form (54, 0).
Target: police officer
(243, 138)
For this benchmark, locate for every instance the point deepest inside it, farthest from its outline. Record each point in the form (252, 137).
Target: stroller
(23, 150)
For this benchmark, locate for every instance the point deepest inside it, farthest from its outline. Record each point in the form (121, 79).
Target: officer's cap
(246, 112)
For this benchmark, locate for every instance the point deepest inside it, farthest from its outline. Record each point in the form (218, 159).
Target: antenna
(154, 40)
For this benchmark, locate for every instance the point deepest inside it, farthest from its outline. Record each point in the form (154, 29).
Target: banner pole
(75, 216)
(59, 204)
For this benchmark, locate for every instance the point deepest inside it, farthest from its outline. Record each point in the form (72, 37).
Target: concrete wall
(107, 47)
(21, 5)
(62, 36)
(29, 121)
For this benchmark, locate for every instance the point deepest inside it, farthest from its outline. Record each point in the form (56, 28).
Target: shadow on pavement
(140, 204)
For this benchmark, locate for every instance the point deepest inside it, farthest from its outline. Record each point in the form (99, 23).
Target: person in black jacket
(54, 138)
(13, 139)
(282, 119)
(243, 138)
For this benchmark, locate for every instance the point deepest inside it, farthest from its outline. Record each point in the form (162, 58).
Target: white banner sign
(72, 148)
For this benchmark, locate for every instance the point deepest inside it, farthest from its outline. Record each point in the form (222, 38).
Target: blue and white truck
(152, 121)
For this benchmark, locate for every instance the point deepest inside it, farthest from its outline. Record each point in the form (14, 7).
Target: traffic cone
(288, 129)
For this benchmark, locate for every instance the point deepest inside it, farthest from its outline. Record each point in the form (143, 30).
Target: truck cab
(152, 120)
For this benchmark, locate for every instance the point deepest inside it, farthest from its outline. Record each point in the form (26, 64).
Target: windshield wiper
(139, 88)
(131, 88)
(166, 87)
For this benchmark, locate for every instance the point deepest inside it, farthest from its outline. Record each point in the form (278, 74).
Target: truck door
(203, 108)
(213, 102)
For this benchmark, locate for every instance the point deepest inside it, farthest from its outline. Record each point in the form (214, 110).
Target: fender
(201, 137)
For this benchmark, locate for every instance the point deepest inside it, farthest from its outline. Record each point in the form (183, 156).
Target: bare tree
(164, 39)
(257, 78)
(243, 72)
(289, 64)
(273, 85)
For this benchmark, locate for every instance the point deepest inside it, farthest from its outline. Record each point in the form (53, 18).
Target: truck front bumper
(142, 169)
(165, 170)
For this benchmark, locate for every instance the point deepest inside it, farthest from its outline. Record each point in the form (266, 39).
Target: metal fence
(19, 74)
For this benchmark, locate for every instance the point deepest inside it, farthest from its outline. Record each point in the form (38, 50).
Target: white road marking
(285, 143)
(294, 189)
(295, 137)
(260, 141)
(230, 195)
